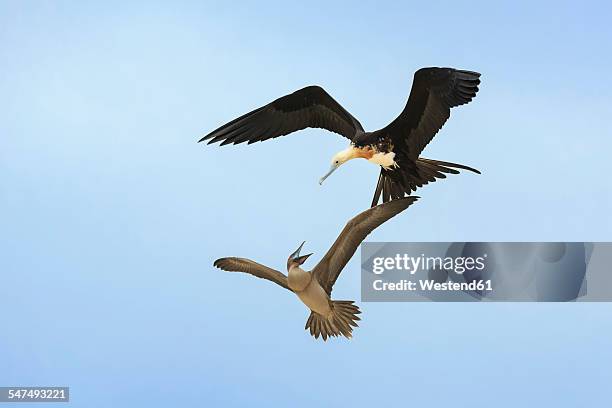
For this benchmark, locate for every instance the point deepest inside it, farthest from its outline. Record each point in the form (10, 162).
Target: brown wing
(253, 268)
(434, 92)
(355, 231)
(307, 107)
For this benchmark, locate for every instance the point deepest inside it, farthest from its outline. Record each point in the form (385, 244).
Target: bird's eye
(336, 161)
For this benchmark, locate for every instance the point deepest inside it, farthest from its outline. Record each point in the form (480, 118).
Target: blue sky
(111, 215)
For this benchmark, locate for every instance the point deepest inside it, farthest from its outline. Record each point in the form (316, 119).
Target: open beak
(331, 170)
(296, 255)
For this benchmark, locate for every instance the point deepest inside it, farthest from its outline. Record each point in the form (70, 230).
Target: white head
(339, 159)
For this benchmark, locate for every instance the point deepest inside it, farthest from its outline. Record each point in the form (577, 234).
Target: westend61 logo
(412, 265)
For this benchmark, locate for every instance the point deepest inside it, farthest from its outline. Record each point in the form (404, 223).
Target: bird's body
(395, 148)
(328, 318)
(310, 292)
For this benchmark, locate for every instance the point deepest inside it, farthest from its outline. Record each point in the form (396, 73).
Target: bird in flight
(328, 318)
(395, 148)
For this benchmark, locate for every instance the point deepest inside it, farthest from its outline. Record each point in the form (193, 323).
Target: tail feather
(393, 184)
(340, 322)
(443, 166)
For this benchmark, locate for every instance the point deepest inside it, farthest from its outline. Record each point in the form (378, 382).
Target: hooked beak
(295, 257)
(331, 170)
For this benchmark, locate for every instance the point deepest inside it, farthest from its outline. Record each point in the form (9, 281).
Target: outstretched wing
(253, 268)
(307, 107)
(434, 92)
(355, 231)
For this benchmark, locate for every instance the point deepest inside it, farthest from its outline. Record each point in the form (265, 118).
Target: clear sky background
(111, 214)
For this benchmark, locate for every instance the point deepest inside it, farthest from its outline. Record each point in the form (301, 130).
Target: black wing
(307, 107)
(356, 230)
(434, 92)
(253, 268)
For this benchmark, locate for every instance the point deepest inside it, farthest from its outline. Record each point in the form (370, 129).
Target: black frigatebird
(395, 148)
(328, 318)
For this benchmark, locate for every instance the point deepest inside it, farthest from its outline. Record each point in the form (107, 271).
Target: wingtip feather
(219, 263)
(208, 136)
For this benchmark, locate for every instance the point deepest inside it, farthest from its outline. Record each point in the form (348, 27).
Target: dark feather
(434, 92)
(308, 107)
(403, 183)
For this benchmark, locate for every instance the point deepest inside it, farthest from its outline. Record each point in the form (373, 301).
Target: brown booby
(395, 148)
(328, 318)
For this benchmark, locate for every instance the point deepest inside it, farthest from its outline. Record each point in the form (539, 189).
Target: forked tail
(396, 183)
(340, 322)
